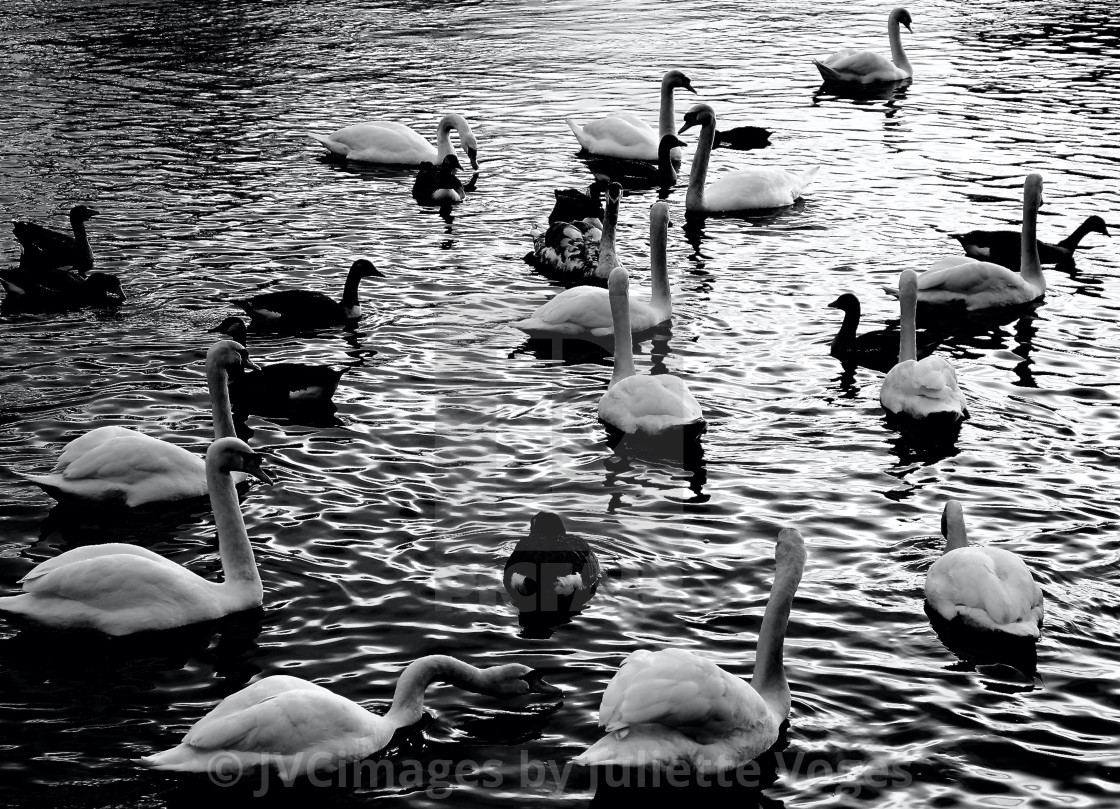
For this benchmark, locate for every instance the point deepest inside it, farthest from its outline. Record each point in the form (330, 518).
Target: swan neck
(894, 34)
(238, 563)
(217, 380)
(667, 116)
(1030, 266)
(608, 259)
(623, 340)
(769, 678)
(908, 323)
(659, 299)
(694, 199)
(408, 698)
(956, 535)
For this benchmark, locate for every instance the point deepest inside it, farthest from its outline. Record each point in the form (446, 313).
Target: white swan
(586, 311)
(121, 589)
(867, 67)
(919, 388)
(985, 588)
(646, 405)
(745, 190)
(671, 706)
(121, 465)
(302, 728)
(628, 137)
(396, 144)
(978, 285)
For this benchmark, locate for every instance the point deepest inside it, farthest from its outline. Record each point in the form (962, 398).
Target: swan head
(232, 327)
(81, 213)
(1097, 225)
(618, 283)
(546, 524)
(659, 215)
(105, 287)
(700, 115)
(363, 268)
(514, 680)
(952, 526)
(846, 303)
(678, 78)
(902, 16)
(231, 356)
(1032, 192)
(234, 455)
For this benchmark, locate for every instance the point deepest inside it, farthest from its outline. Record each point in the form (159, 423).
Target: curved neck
(898, 56)
(408, 698)
(623, 340)
(350, 291)
(608, 259)
(659, 298)
(908, 323)
(238, 564)
(952, 526)
(443, 134)
(217, 380)
(1030, 267)
(694, 199)
(850, 325)
(667, 117)
(1071, 242)
(769, 678)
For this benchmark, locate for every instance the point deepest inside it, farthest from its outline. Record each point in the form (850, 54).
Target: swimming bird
(280, 385)
(585, 311)
(850, 66)
(301, 728)
(580, 251)
(574, 205)
(1004, 247)
(391, 143)
(745, 190)
(439, 185)
(551, 571)
(52, 288)
(295, 309)
(872, 349)
(670, 707)
(644, 405)
(118, 465)
(122, 589)
(979, 285)
(43, 247)
(626, 136)
(985, 588)
(916, 388)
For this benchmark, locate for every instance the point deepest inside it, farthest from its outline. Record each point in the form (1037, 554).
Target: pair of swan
(585, 311)
(984, 588)
(641, 405)
(1005, 247)
(578, 249)
(302, 728)
(390, 143)
(850, 66)
(919, 389)
(117, 465)
(122, 589)
(672, 706)
(43, 247)
(551, 571)
(298, 309)
(54, 288)
(872, 349)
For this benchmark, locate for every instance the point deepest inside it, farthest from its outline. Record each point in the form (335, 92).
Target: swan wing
(756, 188)
(990, 588)
(85, 553)
(623, 136)
(863, 66)
(922, 388)
(380, 142)
(977, 284)
(90, 441)
(649, 404)
(118, 580)
(576, 310)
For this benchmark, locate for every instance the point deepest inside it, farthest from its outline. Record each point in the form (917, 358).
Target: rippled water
(385, 536)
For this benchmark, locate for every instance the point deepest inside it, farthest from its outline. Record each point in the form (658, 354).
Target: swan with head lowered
(579, 250)
(745, 190)
(302, 728)
(641, 405)
(122, 589)
(1005, 247)
(850, 66)
(978, 285)
(984, 588)
(43, 247)
(118, 465)
(626, 136)
(585, 311)
(391, 143)
(296, 309)
(671, 707)
(919, 389)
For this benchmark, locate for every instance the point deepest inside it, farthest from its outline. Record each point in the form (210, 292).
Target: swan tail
(331, 146)
(806, 178)
(827, 73)
(891, 291)
(577, 130)
(185, 758)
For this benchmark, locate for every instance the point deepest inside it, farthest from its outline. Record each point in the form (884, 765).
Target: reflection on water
(186, 125)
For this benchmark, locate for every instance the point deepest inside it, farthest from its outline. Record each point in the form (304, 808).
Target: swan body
(586, 311)
(628, 137)
(979, 285)
(302, 728)
(43, 247)
(307, 309)
(671, 706)
(54, 289)
(645, 405)
(551, 571)
(916, 388)
(746, 190)
(985, 588)
(391, 143)
(1004, 247)
(580, 250)
(122, 589)
(117, 465)
(850, 66)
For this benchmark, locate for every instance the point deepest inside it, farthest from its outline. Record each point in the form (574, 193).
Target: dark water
(385, 536)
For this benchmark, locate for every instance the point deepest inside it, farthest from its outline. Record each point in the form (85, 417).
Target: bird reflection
(891, 92)
(924, 442)
(568, 352)
(1010, 664)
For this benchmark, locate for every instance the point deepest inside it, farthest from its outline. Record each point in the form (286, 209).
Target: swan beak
(248, 363)
(687, 125)
(690, 88)
(537, 685)
(472, 155)
(908, 28)
(253, 467)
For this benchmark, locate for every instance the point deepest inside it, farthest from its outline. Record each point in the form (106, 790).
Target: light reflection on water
(387, 531)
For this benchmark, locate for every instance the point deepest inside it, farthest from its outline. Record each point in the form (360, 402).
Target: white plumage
(391, 143)
(852, 66)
